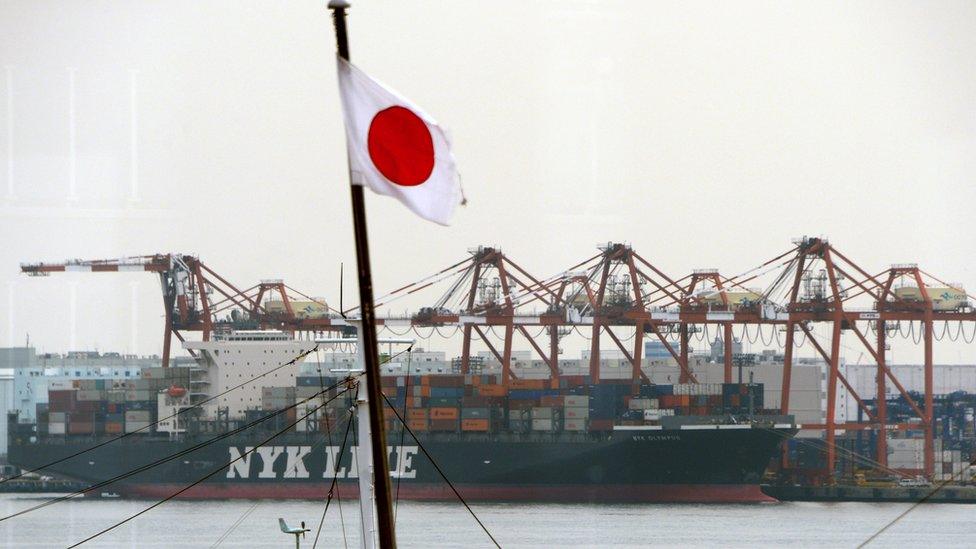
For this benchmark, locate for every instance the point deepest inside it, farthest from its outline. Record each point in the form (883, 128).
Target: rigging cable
(180, 411)
(333, 485)
(328, 431)
(915, 505)
(237, 523)
(406, 390)
(247, 452)
(440, 471)
(160, 461)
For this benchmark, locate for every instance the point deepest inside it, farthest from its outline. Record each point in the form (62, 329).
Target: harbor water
(212, 524)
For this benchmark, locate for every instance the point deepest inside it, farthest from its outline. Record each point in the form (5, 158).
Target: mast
(367, 331)
(364, 461)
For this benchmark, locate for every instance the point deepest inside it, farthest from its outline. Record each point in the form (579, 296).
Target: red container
(447, 381)
(79, 428)
(601, 425)
(417, 424)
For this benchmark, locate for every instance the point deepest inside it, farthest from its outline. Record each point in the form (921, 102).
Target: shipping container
(443, 424)
(542, 413)
(443, 413)
(474, 413)
(542, 424)
(417, 413)
(474, 425)
(576, 413)
(576, 401)
(574, 425)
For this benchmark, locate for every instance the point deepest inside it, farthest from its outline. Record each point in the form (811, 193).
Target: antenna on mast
(341, 308)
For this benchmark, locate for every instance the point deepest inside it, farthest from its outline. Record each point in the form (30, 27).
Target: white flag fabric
(395, 148)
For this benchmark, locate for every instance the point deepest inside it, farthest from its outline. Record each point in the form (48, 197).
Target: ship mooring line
(332, 487)
(441, 472)
(220, 469)
(154, 423)
(171, 457)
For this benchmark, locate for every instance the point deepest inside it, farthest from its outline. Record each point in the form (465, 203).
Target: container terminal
(636, 379)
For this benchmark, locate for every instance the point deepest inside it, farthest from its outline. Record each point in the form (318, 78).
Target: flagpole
(381, 468)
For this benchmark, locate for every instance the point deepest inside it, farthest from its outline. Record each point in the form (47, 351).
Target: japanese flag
(395, 148)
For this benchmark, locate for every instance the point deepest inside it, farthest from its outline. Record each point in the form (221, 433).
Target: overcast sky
(706, 135)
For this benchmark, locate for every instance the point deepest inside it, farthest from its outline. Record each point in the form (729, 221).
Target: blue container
(446, 392)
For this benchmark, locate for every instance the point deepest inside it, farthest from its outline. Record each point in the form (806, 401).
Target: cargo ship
(527, 440)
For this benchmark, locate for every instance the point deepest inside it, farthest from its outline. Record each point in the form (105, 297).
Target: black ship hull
(692, 464)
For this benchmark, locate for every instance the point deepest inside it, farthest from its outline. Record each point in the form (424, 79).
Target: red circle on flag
(401, 146)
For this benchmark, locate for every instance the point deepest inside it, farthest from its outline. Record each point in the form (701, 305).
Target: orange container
(474, 425)
(425, 391)
(551, 401)
(491, 390)
(417, 413)
(417, 424)
(527, 384)
(443, 413)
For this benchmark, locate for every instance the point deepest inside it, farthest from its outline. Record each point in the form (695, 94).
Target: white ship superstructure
(233, 358)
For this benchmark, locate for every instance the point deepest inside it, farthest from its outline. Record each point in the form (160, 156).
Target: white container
(576, 413)
(131, 426)
(639, 404)
(91, 395)
(137, 416)
(574, 425)
(542, 413)
(576, 401)
(55, 428)
(906, 443)
(542, 424)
